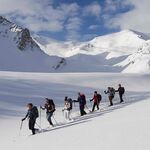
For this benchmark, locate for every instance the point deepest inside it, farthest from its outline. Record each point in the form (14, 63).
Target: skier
(82, 103)
(121, 91)
(50, 109)
(96, 100)
(111, 93)
(32, 115)
(67, 108)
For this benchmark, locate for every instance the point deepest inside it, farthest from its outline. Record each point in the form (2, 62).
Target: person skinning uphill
(121, 91)
(67, 108)
(82, 103)
(96, 100)
(32, 115)
(111, 94)
(50, 109)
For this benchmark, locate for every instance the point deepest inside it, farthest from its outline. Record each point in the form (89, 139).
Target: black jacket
(82, 100)
(30, 114)
(121, 90)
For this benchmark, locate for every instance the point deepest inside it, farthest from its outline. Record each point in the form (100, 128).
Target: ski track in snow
(111, 127)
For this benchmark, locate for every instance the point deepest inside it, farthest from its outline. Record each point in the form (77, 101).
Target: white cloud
(87, 37)
(94, 9)
(93, 27)
(136, 19)
(39, 24)
(43, 15)
(111, 5)
(73, 35)
(73, 26)
(71, 9)
(73, 23)
(38, 15)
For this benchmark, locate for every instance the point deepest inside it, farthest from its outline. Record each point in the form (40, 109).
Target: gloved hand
(23, 119)
(91, 100)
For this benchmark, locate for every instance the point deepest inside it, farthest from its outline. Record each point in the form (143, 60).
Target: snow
(139, 61)
(123, 126)
(122, 57)
(123, 51)
(121, 43)
(12, 59)
(114, 52)
(31, 59)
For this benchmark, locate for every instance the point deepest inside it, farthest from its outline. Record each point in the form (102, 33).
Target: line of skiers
(49, 106)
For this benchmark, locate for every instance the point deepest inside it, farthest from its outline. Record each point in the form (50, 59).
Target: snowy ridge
(109, 53)
(121, 43)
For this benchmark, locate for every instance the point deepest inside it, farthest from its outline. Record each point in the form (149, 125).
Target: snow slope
(123, 126)
(139, 61)
(103, 54)
(19, 52)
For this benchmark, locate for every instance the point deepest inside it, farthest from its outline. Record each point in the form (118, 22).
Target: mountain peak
(19, 35)
(8, 24)
(3, 20)
(144, 36)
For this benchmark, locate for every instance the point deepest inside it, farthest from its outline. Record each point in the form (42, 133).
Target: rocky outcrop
(26, 40)
(61, 63)
(21, 36)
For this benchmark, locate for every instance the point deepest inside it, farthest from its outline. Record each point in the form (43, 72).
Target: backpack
(35, 112)
(122, 90)
(70, 102)
(99, 97)
(51, 102)
(113, 92)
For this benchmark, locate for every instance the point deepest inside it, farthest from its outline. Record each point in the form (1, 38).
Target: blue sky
(79, 20)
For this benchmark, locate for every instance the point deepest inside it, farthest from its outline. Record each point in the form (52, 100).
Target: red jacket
(95, 99)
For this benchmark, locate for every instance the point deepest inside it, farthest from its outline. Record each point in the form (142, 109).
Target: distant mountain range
(127, 51)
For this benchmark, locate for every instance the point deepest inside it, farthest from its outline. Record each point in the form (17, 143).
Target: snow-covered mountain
(125, 51)
(19, 52)
(110, 53)
(117, 44)
(138, 61)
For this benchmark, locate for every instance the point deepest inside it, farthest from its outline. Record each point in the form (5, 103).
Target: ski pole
(20, 127)
(38, 125)
(125, 97)
(87, 108)
(91, 103)
(55, 120)
(63, 112)
(40, 116)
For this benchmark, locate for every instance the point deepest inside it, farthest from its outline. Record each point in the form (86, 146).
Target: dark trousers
(110, 100)
(121, 99)
(82, 111)
(49, 117)
(95, 105)
(31, 125)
